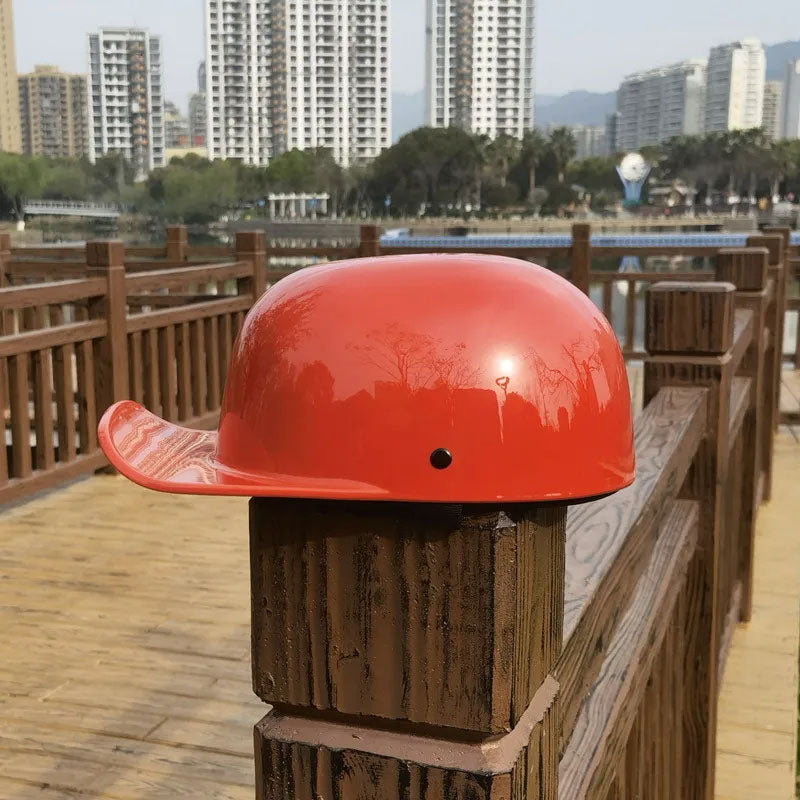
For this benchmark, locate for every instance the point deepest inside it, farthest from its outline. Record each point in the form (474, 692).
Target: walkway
(125, 661)
(757, 737)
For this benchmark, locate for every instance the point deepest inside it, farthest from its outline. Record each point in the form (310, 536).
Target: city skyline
(615, 36)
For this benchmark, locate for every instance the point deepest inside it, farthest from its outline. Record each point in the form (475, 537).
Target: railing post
(747, 270)
(252, 246)
(370, 241)
(774, 358)
(581, 256)
(5, 261)
(689, 331)
(177, 243)
(107, 260)
(786, 261)
(377, 627)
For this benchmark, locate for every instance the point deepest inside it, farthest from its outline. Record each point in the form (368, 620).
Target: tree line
(435, 171)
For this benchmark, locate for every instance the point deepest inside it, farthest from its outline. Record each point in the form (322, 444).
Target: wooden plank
(20, 416)
(609, 540)
(183, 365)
(52, 337)
(185, 276)
(43, 410)
(136, 367)
(604, 723)
(197, 348)
(212, 367)
(226, 345)
(741, 389)
(20, 488)
(43, 294)
(65, 402)
(167, 374)
(177, 316)
(152, 396)
(4, 393)
(87, 407)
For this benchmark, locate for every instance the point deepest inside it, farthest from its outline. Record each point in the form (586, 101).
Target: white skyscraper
(791, 101)
(126, 104)
(773, 110)
(735, 95)
(480, 65)
(284, 74)
(661, 103)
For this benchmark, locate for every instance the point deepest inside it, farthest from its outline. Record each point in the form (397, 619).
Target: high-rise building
(198, 121)
(661, 103)
(612, 133)
(735, 94)
(54, 113)
(10, 139)
(126, 104)
(791, 101)
(590, 141)
(176, 127)
(297, 74)
(771, 118)
(480, 65)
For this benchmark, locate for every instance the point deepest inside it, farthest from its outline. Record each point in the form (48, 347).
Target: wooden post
(107, 259)
(252, 246)
(786, 261)
(6, 327)
(370, 241)
(378, 626)
(772, 375)
(580, 254)
(177, 243)
(689, 331)
(747, 270)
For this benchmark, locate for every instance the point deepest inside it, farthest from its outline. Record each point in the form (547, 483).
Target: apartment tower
(285, 74)
(480, 65)
(127, 101)
(54, 113)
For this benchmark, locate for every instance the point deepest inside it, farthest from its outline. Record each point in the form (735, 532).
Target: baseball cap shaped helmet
(423, 378)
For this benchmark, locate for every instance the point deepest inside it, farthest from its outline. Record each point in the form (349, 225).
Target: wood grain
(605, 721)
(446, 616)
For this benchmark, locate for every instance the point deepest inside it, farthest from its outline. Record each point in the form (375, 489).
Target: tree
(562, 148)
(21, 178)
(533, 148)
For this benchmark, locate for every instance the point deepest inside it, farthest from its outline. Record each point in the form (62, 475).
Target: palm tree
(534, 146)
(563, 149)
(501, 153)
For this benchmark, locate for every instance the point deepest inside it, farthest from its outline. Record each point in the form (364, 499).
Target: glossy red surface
(347, 377)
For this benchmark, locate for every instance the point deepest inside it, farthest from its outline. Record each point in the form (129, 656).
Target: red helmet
(447, 378)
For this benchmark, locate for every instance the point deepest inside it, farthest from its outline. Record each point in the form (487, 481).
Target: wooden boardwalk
(757, 738)
(125, 661)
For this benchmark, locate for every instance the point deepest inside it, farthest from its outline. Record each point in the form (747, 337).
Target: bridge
(126, 669)
(70, 208)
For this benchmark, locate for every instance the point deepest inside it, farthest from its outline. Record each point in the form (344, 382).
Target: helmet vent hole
(441, 458)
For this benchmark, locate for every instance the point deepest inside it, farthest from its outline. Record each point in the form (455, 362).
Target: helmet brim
(159, 455)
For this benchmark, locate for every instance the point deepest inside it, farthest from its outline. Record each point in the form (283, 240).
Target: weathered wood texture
(705, 483)
(620, 693)
(301, 760)
(610, 541)
(445, 616)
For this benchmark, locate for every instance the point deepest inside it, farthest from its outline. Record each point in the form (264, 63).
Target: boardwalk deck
(125, 662)
(757, 738)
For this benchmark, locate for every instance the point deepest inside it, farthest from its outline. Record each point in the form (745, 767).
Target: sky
(581, 44)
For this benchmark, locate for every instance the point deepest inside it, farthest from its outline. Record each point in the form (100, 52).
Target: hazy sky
(581, 44)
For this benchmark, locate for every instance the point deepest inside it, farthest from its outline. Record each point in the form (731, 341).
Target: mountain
(408, 112)
(574, 108)
(777, 56)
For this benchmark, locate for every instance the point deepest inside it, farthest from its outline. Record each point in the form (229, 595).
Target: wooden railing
(532, 651)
